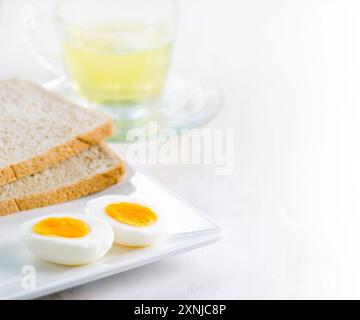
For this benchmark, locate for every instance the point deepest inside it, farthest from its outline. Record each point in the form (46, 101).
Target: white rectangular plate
(189, 229)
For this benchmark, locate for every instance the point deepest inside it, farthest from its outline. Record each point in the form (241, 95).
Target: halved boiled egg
(67, 239)
(134, 221)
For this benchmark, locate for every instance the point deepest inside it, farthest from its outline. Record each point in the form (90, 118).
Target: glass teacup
(116, 57)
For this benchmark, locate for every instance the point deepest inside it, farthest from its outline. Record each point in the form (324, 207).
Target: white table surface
(290, 72)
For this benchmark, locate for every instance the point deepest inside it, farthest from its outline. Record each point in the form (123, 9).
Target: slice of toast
(38, 129)
(91, 170)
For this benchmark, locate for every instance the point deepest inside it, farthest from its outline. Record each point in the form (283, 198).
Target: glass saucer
(185, 104)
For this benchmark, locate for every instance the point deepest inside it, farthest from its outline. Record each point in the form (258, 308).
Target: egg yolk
(131, 214)
(62, 227)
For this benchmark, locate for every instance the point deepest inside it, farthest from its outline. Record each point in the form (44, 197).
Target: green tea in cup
(113, 58)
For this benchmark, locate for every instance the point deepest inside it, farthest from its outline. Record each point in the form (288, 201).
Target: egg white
(125, 234)
(69, 251)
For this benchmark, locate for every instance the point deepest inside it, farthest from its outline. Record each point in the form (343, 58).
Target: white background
(290, 72)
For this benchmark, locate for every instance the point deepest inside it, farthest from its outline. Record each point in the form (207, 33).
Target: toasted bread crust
(7, 174)
(8, 206)
(76, 190)
(55, 155)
